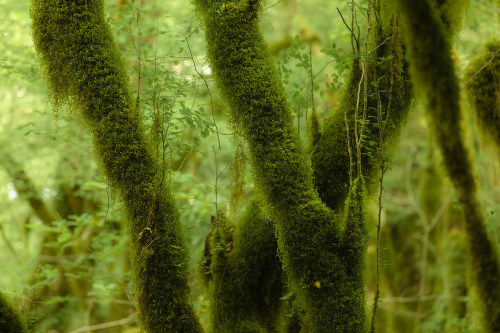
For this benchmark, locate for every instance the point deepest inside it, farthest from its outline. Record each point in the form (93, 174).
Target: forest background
(64, 249)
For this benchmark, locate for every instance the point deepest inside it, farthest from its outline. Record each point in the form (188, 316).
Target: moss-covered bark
(245, 273)
(452, 13)
(482, 82)
(83, 66)
(314, 251)
(11, 320)
(434, 75)
(389, 95)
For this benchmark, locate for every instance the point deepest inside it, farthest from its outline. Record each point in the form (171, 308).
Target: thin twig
(275, 4)
(206, 85)
(312, 79)
(216, 183)
(350, 30)
(139, 58)
(109, 324)
(357, 137)
(349, 150)
(486, 64)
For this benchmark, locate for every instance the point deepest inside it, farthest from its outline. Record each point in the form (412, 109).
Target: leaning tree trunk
(83, 66)
(324, 265)
(433, 72)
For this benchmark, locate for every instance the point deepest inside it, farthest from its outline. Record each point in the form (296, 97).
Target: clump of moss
(246, 273)
(433, 72)
(482, 82)
(83, 66)
(11, 320)
(452, 13)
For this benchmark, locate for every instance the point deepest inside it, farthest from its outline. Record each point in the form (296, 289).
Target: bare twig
(139, 58)
(423, 298)
(486, 64)
(127, 320)
(357, 136)
(275, 4)
(206, 85)
(353, 36)
(311, 78)
(349, 150)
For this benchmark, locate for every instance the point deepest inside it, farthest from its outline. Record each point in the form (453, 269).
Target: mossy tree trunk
(482, 82)
(322, 251)
(244, 272)
(83, 66)
(433, 72)
(11, 320)
(307, 230)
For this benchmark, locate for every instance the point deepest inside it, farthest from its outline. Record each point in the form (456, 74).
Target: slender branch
(127, 320)
(353, 36)
(216, 183)
(312, 81)
(351, 163)
(206, 85)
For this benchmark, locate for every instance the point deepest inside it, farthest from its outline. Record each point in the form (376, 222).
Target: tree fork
(326, 285)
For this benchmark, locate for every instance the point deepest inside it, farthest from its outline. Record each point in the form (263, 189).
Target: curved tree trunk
(83, 66)
(434, 75)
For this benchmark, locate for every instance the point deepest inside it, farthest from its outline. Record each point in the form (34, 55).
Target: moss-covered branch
(83, 66)
(482, 81)
(309, 239)
(389, 95)
(245, 273)
(11, 320)
(434, 75)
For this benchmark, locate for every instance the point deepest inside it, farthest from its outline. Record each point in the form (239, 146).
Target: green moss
(452, 13)
(308, 232)
(330, 155)
(354, 250)
(289, 318)
(482, 81)
(11, 320)
(433, 73)
(246, 274)
(314, 131)
(83, 66)
(238, 172)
